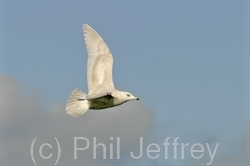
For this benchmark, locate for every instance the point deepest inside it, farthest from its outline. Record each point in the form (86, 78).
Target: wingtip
(84, 25)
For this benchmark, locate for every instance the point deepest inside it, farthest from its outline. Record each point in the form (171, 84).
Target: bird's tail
(77, 103)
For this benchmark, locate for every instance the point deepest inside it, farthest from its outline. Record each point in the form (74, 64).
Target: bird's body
(102, 102)
(102, 93)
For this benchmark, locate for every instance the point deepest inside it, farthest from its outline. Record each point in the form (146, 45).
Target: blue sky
(188, 61)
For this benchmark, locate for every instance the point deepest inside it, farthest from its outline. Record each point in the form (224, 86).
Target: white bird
(102, 93)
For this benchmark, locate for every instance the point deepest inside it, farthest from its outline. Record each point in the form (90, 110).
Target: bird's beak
(137, 98)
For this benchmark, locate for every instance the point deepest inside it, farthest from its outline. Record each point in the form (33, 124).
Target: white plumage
(102, 93)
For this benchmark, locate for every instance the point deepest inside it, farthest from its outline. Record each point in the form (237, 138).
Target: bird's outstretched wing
(100, 61)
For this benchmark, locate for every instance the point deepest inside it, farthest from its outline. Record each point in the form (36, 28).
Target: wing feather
(100, 61)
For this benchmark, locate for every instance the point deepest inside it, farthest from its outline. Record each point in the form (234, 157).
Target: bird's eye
(128, 95)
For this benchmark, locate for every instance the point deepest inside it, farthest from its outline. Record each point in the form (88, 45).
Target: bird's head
(121, 97)
(128, 96)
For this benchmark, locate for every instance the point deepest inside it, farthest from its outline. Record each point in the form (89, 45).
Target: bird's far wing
(100, 60)
(95, 96)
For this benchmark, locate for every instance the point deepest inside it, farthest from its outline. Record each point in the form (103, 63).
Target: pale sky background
(188, 61)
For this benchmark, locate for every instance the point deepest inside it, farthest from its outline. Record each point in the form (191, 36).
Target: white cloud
(23, 117)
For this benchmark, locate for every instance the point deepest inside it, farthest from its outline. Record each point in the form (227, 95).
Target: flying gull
(102, 93)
